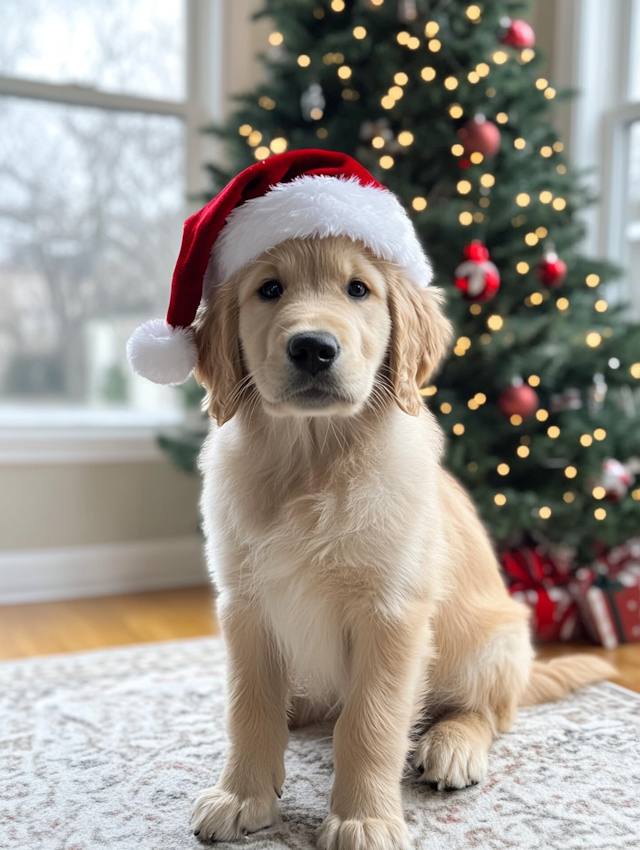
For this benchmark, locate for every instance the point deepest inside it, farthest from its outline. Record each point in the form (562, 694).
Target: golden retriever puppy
(355, 579)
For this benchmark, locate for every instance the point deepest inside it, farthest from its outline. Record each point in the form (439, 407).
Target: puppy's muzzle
(313, 352)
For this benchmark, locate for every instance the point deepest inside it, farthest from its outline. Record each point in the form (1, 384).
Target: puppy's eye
(271, 290)
(357, 289)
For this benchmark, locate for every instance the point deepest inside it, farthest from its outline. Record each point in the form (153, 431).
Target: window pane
(91, 211)
(633, 218)
(634, 53)
(115, 45)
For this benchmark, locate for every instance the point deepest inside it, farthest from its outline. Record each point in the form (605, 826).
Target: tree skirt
(108, 749)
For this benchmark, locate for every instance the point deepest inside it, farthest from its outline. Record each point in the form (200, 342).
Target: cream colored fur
(355, 579)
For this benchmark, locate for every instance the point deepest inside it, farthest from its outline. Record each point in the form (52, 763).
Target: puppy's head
(318, 327)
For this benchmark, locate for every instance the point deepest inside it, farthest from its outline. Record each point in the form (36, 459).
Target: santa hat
(294, 195)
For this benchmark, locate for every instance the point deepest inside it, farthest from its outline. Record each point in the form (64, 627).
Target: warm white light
(279, 145)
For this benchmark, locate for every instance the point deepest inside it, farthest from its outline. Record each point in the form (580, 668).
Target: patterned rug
(108, 749)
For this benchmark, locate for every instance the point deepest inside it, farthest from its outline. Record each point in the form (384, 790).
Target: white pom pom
(161, 353)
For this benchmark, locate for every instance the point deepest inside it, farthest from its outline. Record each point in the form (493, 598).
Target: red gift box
(541, 581)
(608, 596)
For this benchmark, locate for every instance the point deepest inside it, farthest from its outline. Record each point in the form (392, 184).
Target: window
(100, 113)
(627, 125)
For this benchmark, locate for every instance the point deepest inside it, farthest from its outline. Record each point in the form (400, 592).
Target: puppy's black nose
(313, 352)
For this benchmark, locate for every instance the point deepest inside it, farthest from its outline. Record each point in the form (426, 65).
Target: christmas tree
(444, 102)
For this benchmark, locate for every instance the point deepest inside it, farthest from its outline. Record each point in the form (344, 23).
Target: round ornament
(477, 277)
(312, 103)
(518, 34)
(407, 11)
(480, 136)
(616, 479)
(518, 399)
(551, 270)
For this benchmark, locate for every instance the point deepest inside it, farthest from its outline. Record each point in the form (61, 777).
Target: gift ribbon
(609, 586)
(521, 580)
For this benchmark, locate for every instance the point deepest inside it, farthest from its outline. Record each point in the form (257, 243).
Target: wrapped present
(608, 596)
(540, 578)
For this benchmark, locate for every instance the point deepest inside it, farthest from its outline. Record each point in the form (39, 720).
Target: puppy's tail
(555, 679)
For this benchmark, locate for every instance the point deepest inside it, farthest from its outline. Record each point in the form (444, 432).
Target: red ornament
(480, 136)
(551, 270)
(518, 34)
(477, 277)
(518, 399)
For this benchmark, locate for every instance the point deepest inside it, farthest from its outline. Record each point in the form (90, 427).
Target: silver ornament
(312, 99)
(407, 11)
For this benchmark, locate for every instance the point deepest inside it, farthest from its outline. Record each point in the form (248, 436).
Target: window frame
(592, 55)
(128, 439)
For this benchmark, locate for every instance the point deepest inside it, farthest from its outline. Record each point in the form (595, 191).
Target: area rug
(108, 749)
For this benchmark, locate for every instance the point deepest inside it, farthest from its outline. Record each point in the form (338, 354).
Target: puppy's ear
(420, 334)
(219, 367)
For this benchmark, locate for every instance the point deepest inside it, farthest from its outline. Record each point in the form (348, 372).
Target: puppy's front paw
(366, 834)
(220, 815)
(450, 760)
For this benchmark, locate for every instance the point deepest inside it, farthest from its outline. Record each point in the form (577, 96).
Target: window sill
(82, 436)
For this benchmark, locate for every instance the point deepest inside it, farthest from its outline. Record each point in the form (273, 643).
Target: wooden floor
(76, 625)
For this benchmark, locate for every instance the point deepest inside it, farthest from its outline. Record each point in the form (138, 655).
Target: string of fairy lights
(485, 183)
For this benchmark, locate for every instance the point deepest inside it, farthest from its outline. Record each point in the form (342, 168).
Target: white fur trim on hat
(319, 206)
(161, 353)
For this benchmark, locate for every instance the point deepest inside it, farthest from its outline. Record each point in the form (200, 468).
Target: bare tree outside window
(91, 200)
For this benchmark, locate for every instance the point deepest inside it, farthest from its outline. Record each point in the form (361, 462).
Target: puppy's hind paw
(365, 834)
(220, 815)
(449, 759)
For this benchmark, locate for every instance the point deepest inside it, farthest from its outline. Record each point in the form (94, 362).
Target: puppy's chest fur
(315, 544)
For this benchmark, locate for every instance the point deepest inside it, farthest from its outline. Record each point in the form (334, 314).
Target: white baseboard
(41, 575)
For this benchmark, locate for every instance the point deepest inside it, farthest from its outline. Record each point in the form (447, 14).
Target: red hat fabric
(298, 194)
